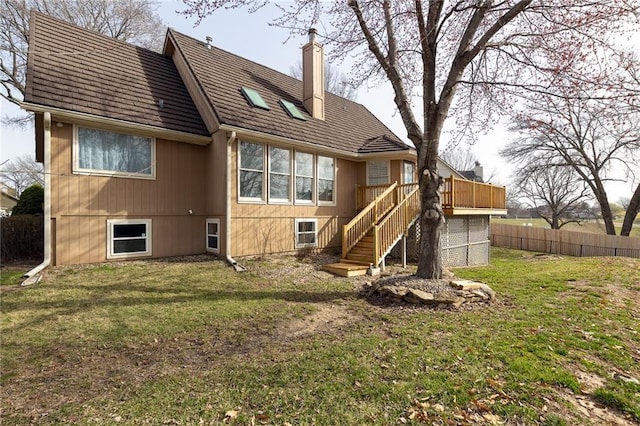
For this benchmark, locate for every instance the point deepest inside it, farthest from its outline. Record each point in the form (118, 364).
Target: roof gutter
(142, 129)
(231, 260)
(32, 276)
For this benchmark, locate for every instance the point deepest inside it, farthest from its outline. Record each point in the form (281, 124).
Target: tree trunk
(605, 208)
(431, 220)
(632, 212)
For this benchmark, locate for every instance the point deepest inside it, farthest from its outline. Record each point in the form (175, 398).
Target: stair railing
(358, 227)
(395, 224)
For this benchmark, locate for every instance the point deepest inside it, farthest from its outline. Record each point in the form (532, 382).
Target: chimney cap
(312, 34)
(209, 39)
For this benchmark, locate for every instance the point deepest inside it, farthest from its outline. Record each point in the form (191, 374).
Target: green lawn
(196, 343)
(590, 226)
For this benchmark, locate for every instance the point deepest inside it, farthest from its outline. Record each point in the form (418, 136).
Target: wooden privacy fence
(571, 243)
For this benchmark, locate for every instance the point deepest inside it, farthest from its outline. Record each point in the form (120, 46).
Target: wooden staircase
(369, 237)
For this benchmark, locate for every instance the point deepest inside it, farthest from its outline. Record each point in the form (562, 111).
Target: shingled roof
(79, 70)
(348, 126)
(82, 71)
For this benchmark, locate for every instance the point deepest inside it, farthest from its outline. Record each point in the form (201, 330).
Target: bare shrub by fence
(22, 237)
(570, 243)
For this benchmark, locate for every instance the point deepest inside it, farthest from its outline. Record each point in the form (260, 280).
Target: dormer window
(254, 98)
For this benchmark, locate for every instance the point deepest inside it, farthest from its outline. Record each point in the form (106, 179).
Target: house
(8, 200)
(198, 150)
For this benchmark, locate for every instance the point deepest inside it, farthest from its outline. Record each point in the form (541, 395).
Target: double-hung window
(306, 233)
(326, 180)
(128, 238)
(279, 175)
(114, 154)
(304, 178)
(213, 235)
(251, 176)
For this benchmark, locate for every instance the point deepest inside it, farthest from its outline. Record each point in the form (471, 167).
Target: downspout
(231, 260)
(32, 276)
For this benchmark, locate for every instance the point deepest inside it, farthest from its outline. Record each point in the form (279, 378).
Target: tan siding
(81, 204)
(269, 228)
(395, 171)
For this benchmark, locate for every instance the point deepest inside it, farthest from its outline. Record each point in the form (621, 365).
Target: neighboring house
(8, 200)
(197, 149)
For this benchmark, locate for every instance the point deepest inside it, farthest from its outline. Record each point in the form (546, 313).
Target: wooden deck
(347, 269)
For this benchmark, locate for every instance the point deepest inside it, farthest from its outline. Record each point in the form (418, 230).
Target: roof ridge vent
(209, 40)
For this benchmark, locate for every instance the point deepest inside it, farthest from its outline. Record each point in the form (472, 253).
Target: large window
(251, 171)
(306, 233)
(326, 180)
(279, 175)
(304, 177)
(105, 152)
(128, 238)
(213, 235)
(377, 172)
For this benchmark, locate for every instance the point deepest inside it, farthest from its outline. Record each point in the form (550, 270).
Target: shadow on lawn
(110, 295)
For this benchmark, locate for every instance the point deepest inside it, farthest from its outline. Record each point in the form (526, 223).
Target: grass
(596, 227)
(196, 343)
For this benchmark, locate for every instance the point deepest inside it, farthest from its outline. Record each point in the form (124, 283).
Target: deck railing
(358, 227)
(461, 193)
(366, 194)
(396, 223)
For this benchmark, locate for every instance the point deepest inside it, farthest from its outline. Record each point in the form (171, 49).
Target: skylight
(292, 110)
(254, 98)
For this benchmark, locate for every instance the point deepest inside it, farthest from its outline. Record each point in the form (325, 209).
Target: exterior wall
(215, 189)
(260, 228)
(81, 204)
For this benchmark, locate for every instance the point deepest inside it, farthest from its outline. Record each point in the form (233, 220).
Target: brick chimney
(313, 76)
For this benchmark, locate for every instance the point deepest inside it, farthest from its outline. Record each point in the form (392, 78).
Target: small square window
(306, 233)
(254, 98)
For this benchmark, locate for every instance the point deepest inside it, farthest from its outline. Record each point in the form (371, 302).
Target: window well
(292, 110)
(254, 98)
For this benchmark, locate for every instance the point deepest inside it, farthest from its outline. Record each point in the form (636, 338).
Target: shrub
(30, 201)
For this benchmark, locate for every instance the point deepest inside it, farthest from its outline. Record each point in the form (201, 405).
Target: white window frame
(335, 172)
(388, 166)
(254, 200)
(82, 171)
(297, 234)
(291, 180)
(404, 172)
(111, 223)
(313, 177)
(212, 249)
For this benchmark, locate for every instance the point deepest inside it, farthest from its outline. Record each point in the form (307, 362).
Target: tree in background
(463, 58)
(21, 172)
(30, 201)
(334, 81)
(553, 192)
(133, 21)
(588, 132)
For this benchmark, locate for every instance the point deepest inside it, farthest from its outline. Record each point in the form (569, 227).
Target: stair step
(360, 257)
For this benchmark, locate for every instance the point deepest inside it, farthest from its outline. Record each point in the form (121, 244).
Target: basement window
(292, 110)
(213, 235)
(254, 98)
(306, 233)
(128, 238)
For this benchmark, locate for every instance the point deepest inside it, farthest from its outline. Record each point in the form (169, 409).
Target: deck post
(404, 251)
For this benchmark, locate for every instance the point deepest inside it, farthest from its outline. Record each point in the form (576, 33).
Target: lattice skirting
(464, 241)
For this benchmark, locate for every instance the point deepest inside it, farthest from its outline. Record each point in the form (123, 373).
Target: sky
(250, 36)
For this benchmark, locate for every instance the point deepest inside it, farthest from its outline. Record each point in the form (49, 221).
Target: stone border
(455, 293)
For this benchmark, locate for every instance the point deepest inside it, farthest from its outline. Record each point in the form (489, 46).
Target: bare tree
(633, 208)
(445, 51)
(585, 133)
(459, 159)
(335, 81)
(553, 192)
(22, 172)
(134, 21)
